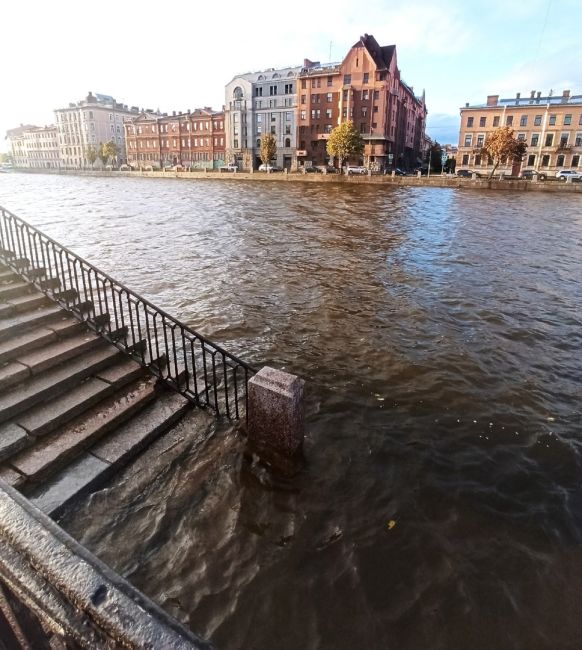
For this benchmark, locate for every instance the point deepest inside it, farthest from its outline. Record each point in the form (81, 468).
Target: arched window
(237, 93)
(276, 76)
(287, 142)
(290, 74)
(261, 78)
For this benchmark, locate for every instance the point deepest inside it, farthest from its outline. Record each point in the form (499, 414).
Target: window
(537, 120)
(259, 118)
(482, 121)
(470, 122)
(545, 161)
(480, 139)
(376, 94)
(258, 144)
(329, 97)
(328, 113)
(288, 116)
(363, 127)
(575, 160)
(303, 115)
(272, 90)
(478, 159)
(509, 120)
(273, 130)
(560, 160)
(578, 141)
(259, 91)
(535, 139)
(347, 79)
(468, 140)
(303, 84)
(273, 117)
(315, 99)
(330, 81)
(364, 111)
(549, 140)
(523, 120)
(375, 109)
(465, 159)
(345, 95)
(563, 139)
(552, 120)
(366, 77)
(344, 112)
(288, 89)
(496, 121)
(327, 128)
(568, 119)
(287, 142)
(287, 129)
(521, 137)
(531, 160)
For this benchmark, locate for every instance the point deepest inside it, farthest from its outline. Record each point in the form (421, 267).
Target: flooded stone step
(8, 275)
(55, 451)
(14, 289)
(23, 304)
(15, 325)
(55, 381)
(96, 466)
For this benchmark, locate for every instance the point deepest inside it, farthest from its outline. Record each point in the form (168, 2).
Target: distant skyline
(180, 55)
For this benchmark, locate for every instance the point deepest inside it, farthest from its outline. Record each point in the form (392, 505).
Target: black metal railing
(184, 359)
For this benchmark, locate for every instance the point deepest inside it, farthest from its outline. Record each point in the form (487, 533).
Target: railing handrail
(145, 301)
(150, 310)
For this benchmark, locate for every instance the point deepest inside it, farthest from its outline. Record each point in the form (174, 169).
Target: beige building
(95, 119)
(34, 147)
(550, 126)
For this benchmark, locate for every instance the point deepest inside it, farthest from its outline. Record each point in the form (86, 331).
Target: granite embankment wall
(281, 177)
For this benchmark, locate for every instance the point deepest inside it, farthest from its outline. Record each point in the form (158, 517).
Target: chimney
(539, 94)
(466, 104)
(174, 113)
(566, 94)
(492, 100)
(533, 94)
(518, 96)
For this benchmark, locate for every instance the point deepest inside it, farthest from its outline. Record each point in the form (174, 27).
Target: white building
(94, 120)
(258, 103)
(41, 145)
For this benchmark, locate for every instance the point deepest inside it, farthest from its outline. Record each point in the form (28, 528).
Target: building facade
(258, 103)
(88, 123)
(17, 144)
(34, 147)
(194, 139)
(551, 127)
(366, 88)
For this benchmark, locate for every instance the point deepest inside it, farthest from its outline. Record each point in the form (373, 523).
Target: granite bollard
(276, 419)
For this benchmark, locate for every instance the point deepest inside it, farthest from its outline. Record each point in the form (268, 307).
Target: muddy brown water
(440, 334)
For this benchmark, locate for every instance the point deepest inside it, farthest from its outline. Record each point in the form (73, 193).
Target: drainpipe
(542, 137)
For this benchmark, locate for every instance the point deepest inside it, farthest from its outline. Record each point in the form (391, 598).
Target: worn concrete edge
(101, 599)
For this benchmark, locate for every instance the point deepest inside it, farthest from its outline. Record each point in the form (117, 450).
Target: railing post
(276, 419)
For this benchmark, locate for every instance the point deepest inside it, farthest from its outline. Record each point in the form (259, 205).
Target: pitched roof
(382, 56)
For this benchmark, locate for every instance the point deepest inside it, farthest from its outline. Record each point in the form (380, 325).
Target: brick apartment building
(366, 87)
(551, 127)
(190, 139)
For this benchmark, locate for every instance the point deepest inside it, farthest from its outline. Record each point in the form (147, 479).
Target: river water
(440, 335)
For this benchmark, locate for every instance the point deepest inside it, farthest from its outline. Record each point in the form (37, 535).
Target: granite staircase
(73, 408)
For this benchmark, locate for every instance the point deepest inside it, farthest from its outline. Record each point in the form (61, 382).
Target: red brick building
(366, 88)
(192, 139)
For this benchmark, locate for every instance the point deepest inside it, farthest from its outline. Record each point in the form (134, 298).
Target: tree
(112, 151)
(344, 141)
(102, 154)
(501, 146)
(91, 154)
(268, 148)
(435, 160)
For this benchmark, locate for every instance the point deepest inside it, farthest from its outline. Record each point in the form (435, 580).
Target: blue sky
(180, 55)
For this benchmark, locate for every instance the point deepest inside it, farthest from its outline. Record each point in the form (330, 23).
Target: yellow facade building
(551, 127)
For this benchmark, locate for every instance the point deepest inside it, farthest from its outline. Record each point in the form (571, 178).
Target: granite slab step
(13, 374)
(56, 412)
(90, 471)
(14, 290)
(53, 452)
(135, 435)
(55, 381)
(12, 439)
(25, 303)
(17, 324)
(8, 275)
(78, 479)
(67, 326)
(53, 354)
(12, 477)
(25, 343)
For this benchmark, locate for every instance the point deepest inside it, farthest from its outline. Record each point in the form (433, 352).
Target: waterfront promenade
(436, 180)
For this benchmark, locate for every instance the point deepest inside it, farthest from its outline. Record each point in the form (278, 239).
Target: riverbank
(282, 177)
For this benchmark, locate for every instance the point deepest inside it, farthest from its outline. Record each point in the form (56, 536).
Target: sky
(181, 54)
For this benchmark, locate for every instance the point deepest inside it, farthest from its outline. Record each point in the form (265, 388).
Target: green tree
(435, 158)
(91, 154)
(502, 146)
(112, 151)
(102, 154)
(268, 149)
(345, 141)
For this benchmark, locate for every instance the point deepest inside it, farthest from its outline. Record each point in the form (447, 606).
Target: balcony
(564, 147)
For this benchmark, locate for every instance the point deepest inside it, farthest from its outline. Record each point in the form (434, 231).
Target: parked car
(312, 170)
(268, 168)
(328, 169)
(399, 172)
(356, 169)
(230, 167)
(468, 173)
(529, 174)
(565, 174)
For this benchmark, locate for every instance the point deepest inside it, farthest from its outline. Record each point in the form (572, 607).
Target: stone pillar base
(276, 419)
